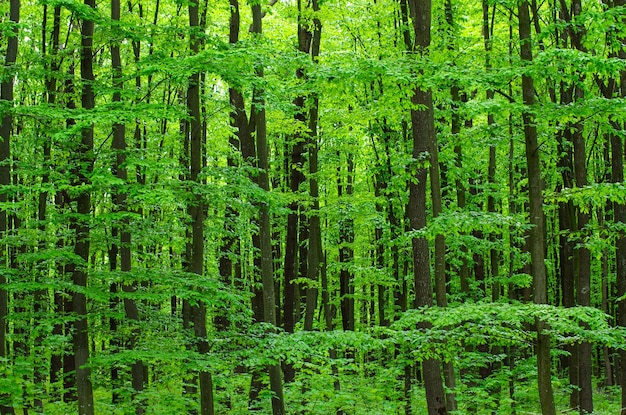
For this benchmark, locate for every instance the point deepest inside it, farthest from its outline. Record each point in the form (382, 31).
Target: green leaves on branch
(592, 196)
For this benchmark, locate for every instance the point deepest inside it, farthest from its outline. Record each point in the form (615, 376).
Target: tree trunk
(296, 179)
(346, 253)
(536, 235)
(314, 253)
(584, 277)
(80, 224)
(119, 169)
(196, 213)
(51, 92)
(617, 176)
(257, 113)
(6, 128)
(244, 128)
(422, 123)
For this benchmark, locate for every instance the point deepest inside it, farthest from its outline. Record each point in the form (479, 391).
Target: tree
(338, 193)
(83, 166)
(257, 113)
(422, 127)
(536, 217)
(6, 127)
(120, 201)
(196, 213)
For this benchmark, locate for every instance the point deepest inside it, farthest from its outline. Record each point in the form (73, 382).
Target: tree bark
(196, 213)
(346, 253)
(80, 224)
(314, 252)
(535, 199)
(257, 113)
(120, 201)
(422, 125)
(617, 176)
(6, 127)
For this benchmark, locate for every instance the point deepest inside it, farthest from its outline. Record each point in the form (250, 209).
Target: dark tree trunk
(346, 239)
(584, 278)
(566, 270)
(80, 224)
(119, 198)
(617, 176)
(422, 123)
(314, 253)
(51, 92)
(247, 147)
(6, 127)
(536, 236)
(440, 242)
(196, 214)
(257, 113)
(63, 200)
(296, 178)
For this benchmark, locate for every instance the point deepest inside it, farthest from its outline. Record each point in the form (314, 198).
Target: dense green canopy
(364, 207)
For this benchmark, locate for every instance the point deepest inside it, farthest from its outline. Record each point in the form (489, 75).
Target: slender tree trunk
(265, 232)
(314, 253)
(576, 33)
(422, 123)
(6, 128)
(346, 253)
(536, 237)
(440, 242)
(80, 224)
(196, 213)
(567, 223)
(124, 248)
(494, 254)
(51, 91)
(63, 200)
(228, 267)
(41, 302)
(455, 129)
(296, 179)
(247, 146)
(617, 176)
(584, 278)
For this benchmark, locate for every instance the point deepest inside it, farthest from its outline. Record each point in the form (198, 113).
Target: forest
(312, 207)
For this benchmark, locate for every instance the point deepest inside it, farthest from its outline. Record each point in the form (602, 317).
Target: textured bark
(6, 127)
(295, 163)
(617, 176)
(247, 147)
(267, 266)
(461, 199)
(346, 239)
(119, 198)
(536, 214)
(584, 279)
(566, 272)
(56, 359)
(315, 238)
(422, 126)
(583, 396)
(64, 304)
(440, 242)
(228, 246)
(80, 224)
(314, 252)
(383, 201)
(196, 214)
